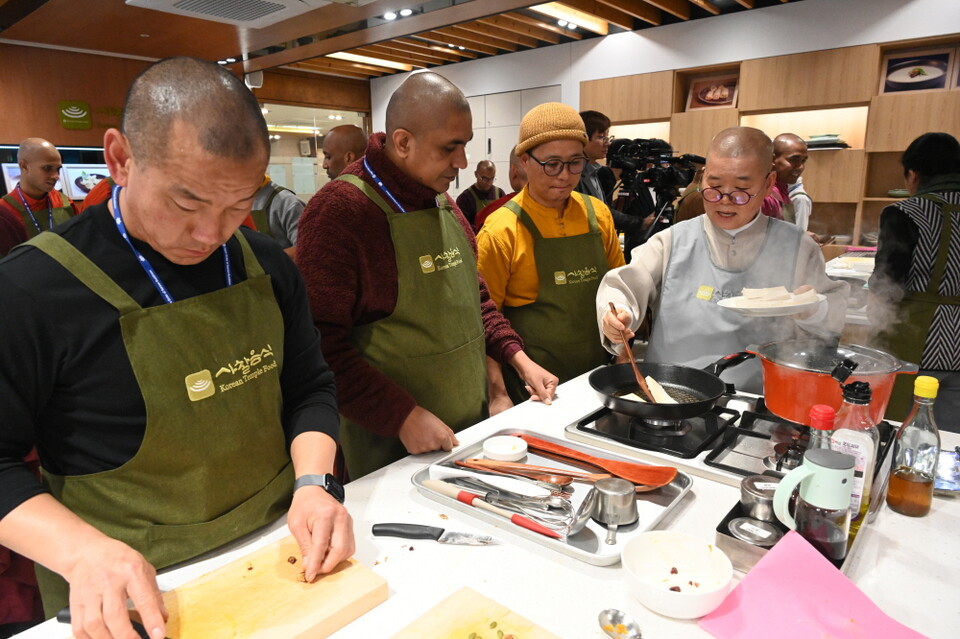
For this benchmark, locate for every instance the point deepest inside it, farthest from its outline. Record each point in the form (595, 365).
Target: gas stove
(760, 443)
(685, 438)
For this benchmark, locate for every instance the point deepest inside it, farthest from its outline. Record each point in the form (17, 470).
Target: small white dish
(787, 308)
(504, 448)
(675, 574)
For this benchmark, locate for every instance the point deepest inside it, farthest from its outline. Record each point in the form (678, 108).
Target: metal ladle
(584, 512)
(618, 624)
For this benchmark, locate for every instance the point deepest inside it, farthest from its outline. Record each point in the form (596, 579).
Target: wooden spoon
(633, 362)
(637, 473)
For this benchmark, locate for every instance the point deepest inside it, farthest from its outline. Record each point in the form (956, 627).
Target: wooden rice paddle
(633, 362)
(637, 473)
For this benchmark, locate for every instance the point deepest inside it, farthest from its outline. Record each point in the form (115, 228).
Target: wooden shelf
(831, 78)
(682, 79)
(884, 172)
(850, 123)
(882, 199)
(835, 176)
(633, 98)
(692, 131)
(897, 119)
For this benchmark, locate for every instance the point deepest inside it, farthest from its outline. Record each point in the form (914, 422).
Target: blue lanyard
(147, 266)
(26, 206)
(379, 182)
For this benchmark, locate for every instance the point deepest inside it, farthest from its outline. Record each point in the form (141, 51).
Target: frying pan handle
(728, 361)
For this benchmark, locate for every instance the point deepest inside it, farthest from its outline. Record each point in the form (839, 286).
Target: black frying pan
(697, 390)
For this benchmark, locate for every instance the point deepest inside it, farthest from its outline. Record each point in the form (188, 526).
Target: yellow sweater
(505, 247)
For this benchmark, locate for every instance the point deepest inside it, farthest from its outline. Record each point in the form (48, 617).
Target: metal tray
(588, 545)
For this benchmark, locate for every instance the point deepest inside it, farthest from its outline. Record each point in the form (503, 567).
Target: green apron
(433, 344)
(478, 202)
(261, 217)
(205, 389)
(60, 213)
(559, 329)
(908, 337)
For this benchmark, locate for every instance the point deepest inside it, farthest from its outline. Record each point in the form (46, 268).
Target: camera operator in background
(650, 176)
(597, 180)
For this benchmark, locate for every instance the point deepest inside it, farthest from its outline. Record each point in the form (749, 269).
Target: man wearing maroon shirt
(35, 201)
(390, 264)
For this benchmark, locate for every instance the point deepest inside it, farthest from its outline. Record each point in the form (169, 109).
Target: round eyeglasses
(553, 168)
(738, 197)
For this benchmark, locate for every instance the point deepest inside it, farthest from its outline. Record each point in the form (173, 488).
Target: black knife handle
(407, 531)
(64, 617)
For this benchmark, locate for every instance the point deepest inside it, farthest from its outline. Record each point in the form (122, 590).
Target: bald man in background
(789, 160)
(517, 176)
(481, 193)
(342, 145)
(34, 201)
(390, 264)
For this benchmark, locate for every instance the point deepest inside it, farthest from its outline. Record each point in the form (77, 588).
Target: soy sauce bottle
(915, 453)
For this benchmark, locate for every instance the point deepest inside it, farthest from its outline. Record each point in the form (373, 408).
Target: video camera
(650, 164)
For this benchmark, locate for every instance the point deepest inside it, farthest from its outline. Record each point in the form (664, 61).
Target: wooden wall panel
(692, 131)
(896, 119)
(315, 90)
(35, 79)
(632, 98)
(834, 176)
(835, 77)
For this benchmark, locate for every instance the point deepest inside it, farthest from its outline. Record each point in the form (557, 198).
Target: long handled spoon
(633, 362)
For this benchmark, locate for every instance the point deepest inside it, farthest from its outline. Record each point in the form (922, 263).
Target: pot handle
(908, 368)
(728, 361)
(781, 498)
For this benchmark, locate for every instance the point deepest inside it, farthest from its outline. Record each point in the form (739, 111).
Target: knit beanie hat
(548, 122)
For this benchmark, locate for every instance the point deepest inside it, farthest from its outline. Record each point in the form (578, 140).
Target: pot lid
(821, 357)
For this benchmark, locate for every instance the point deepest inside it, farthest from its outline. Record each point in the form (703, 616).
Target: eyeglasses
(738, 197)
(606, 139)
(553, 168)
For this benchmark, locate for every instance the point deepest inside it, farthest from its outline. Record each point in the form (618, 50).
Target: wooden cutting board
(467, 611)
(260, 596)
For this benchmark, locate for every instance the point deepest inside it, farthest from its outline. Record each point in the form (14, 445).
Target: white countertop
(907, 566)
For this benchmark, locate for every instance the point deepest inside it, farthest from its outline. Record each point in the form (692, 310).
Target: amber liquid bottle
(915, 453)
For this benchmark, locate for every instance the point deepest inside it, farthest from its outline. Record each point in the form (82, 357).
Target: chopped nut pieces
(675, 588)
(302, 577)
(674, 570)
(291, 559)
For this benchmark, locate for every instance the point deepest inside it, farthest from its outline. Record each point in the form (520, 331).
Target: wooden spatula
(637, 473)
(633, 362)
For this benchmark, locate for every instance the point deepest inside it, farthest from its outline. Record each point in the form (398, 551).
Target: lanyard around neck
(23, 199)
(383, 187)
(147, 266)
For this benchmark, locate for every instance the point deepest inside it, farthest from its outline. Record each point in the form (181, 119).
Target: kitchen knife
(417, 531)
(64, 617)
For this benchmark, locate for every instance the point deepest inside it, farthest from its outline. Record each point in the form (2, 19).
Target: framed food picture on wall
(712, 92)
(917, 70)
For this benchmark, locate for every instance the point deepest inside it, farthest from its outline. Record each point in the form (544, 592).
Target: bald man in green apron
(408, 326)
(177, 400)
(35, 199)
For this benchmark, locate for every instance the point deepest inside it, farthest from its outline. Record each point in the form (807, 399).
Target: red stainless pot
(796, 375)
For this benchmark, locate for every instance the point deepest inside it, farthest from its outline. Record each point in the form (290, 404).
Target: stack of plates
(826, 141)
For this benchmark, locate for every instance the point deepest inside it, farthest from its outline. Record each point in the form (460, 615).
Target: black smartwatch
(328, 482)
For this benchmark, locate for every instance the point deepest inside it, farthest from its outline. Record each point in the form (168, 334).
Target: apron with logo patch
(907, 338)
(60, 213)
(433, 344)
(559, 329)
(691, 329)
(205, 389)
(261, 217)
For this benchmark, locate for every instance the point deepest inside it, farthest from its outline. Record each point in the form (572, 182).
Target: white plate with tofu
(772, 302)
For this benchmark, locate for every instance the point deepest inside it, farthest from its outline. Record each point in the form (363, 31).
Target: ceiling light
(406, 12)
(561, 23)
(461, 48)
(389, 15)
(221, 61)
(364, 59)
(264, 110)
(449, 45)
(231, 60)
(571, 26)
(560, 11)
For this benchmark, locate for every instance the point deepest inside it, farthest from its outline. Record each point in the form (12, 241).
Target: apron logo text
(448, 259)
(200, 385)
(578, 276)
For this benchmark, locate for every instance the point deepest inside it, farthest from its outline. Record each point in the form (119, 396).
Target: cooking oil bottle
(856, 435)
(915, 452)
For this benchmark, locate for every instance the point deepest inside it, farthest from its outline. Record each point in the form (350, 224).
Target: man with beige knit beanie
(543, 253)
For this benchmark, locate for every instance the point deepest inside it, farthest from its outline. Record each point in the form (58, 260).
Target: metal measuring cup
(616, 505)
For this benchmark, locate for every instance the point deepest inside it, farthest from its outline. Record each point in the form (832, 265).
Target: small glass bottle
(915, 452)
(822, 418)
(856, 435)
